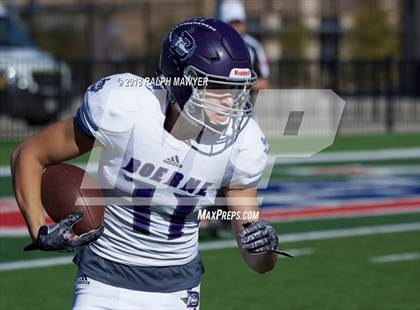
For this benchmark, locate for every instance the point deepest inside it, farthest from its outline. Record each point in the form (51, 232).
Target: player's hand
(259, 237)
(59, 237)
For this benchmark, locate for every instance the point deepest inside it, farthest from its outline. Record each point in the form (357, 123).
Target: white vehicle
(33, 84)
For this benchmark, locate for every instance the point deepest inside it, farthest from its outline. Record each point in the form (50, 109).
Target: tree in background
(294, 38)
(372, 35)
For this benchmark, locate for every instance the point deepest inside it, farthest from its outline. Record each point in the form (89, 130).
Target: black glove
(59, 237)
(259, 237)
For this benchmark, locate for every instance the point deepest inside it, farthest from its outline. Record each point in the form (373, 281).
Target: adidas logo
(83, 280)
(174, 161)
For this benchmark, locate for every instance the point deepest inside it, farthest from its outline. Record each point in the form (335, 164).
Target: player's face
(217, 105)
(219, 101)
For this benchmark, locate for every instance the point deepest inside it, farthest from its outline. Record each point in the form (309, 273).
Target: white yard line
(66, 260)
(350, 232)
(352, 156)
(5, 170)
(8, 209)
(395, 258)
(224, 244)
(36, 263)
(324, 234)
(371, 213)
(300, 251)
(14, 232)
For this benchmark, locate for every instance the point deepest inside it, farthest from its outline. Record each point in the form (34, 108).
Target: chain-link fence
(377, 98)
(99, 38)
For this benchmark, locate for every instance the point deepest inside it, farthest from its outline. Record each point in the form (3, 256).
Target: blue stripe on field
(312, 193)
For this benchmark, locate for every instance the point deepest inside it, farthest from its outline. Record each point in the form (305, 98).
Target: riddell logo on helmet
(240, 73)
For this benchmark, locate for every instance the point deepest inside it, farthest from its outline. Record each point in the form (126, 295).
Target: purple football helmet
(209, 48)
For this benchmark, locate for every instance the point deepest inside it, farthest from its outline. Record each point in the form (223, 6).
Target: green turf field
(341, 143)
(337, 275)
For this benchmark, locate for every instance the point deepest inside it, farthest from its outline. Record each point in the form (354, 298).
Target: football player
(233, 13)
(166, 151)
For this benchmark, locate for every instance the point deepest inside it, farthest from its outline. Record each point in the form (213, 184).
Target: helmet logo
(240, 73)
(184, 46)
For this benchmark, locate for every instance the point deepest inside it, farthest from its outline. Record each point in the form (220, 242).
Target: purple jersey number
(142, 212)
(185, 206)
(141, 223)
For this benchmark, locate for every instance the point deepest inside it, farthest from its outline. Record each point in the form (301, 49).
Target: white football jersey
(154, 183)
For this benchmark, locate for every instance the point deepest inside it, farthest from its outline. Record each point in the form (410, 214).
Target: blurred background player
(233, 12)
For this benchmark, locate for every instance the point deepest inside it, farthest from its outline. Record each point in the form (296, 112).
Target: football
(61, 194)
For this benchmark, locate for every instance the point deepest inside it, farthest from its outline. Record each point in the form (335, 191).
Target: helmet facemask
(221, 105)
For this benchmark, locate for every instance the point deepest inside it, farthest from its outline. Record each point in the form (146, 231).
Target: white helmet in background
(3, 10)
(232, 10)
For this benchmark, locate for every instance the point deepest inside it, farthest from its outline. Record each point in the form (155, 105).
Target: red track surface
(344, 209)
(10, 217)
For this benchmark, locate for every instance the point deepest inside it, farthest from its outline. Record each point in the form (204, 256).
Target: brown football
(61, 189)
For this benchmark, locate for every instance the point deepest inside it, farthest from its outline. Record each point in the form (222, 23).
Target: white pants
(94, 295)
